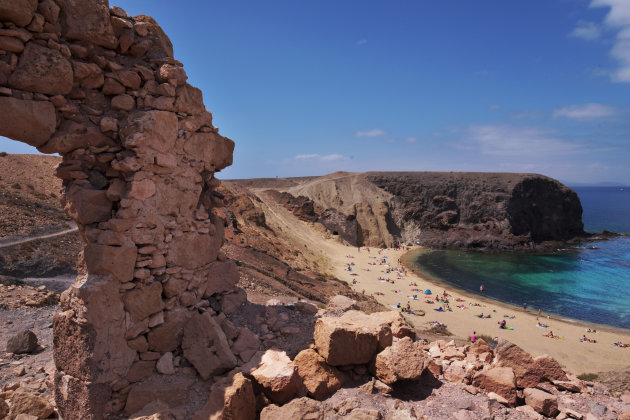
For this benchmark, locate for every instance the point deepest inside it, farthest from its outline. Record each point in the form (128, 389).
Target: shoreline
(405, 260)
(368, 276)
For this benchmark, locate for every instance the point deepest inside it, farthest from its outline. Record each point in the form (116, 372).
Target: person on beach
(481, 288)
(525, 306)
(473, 337)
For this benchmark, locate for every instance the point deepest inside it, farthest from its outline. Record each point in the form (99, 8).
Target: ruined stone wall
(102, 89)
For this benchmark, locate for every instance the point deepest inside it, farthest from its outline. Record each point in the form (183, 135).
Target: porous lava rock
(320, 379)
(500, 380)
(24, 341)
(541, 401)
(403, 360)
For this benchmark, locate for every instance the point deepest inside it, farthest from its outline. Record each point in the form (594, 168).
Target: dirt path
(74, 228)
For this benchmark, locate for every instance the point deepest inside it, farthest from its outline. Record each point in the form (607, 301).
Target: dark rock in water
(23, 342)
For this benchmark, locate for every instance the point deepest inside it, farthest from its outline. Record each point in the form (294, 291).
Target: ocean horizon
(588, 282)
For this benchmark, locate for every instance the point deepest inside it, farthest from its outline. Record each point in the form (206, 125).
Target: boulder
(23, 342)
(479, 347)
(168, 336)
(500, 380)
(26, 403)
(541, 401)
(398, 324)
(230, 399)
(246, 344)
(300, 408)
(42, 70)
(277, 375)
(205, 346)
(403, 360)
(529, 372)
(319, 379)
(154, 129)
(306, 307)
(19, 12)
(32, 122)
(352, 339)
(211, 148)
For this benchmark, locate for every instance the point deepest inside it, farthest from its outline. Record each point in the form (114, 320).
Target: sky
(310, 87)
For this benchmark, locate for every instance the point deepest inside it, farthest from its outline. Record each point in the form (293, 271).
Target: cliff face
(444, 209)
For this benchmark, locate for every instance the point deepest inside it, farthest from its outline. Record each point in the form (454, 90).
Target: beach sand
(578, 357)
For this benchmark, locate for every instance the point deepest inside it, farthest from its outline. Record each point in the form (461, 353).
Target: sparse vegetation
(588, 376)
(3, 154)
(440, 330)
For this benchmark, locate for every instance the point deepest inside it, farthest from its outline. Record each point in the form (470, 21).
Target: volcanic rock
(42, 70)
(352, 339)
(205, 346)
(230, 399)
(23, 342)
(30, 121)
(27, 403)
(277, 375)
(541, 401)
(320, 379)
(500, 380)
(403, 360)
(18, 12)
(301, 408)
(398, 324)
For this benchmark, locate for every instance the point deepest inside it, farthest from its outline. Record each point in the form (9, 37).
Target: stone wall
(102, 89)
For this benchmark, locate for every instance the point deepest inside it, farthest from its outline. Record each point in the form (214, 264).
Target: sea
(587, 282)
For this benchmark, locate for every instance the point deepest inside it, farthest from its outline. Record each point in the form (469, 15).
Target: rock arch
(102, 89)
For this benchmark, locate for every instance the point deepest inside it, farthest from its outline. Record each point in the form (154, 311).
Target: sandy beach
(579, 357)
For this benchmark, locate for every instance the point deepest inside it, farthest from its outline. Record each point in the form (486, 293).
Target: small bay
(590, 282)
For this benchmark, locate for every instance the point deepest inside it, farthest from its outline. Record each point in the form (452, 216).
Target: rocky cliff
(438, 209)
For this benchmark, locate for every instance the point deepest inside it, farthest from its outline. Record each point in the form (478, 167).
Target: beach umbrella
(427, 292)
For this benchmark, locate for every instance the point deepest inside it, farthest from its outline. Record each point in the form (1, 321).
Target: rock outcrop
(139, 157)
(438, 209)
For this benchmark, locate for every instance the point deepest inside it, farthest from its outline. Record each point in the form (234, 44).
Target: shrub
(588, 376)
(3, 154)
(440, 330)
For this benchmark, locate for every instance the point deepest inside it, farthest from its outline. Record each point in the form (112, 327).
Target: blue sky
(310, 87)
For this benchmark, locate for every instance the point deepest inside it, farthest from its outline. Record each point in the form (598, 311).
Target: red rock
(141, 303)
(112, 87)
(222, 277)
(170, 72)
(141, 190)
(171, 389)
(233, 301)
(206, 347)
(18, 12)
(319, 379)
(352, 339)
(42, 70)
(140, 370)
(11, 44)
(189, 100)
(277, 375)
(168, 336)
(32, 122)
(398, 324)
(211, 148)
(230, 399)
(192, 250)
(49, 9)
(403, 360)
(246, 344)
(115, 260)
(500, 380)
(72, 135)
(155, 129)
(86, 205)
(541, 401)
(26, 403)
(301, 408)
(88, 20)
(123, 102)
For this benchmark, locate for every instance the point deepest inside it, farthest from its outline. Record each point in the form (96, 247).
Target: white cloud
(586, 30)
(619, 18)
(411, 140)
(362, 41)
(495, 107)
(375, 132)
(585, 112)
(315, 156)
(502, 140)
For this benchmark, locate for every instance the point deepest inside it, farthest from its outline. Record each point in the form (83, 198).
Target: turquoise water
(589, 283)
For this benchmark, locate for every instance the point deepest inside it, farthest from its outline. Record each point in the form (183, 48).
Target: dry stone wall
(102, 89)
